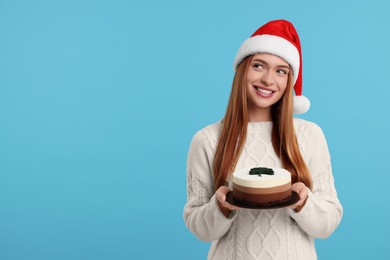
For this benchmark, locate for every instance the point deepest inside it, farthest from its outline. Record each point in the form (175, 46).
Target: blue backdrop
(99, 101)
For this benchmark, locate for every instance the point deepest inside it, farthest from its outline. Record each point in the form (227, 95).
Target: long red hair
(234, 130)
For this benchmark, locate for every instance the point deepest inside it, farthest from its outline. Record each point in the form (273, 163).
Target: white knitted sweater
(261, 234)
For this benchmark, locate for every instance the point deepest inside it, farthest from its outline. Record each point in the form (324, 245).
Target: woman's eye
(258, 66)
(283, 72)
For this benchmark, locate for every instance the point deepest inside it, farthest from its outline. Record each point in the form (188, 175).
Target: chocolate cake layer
(261, 199)
(277, 189)
(263, 204)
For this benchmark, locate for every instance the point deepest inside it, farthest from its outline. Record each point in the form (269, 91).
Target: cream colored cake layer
(243, 178)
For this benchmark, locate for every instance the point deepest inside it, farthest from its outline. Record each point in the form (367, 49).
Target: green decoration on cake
(261, 170)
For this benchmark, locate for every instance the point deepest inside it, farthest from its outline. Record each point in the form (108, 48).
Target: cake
(261, 186)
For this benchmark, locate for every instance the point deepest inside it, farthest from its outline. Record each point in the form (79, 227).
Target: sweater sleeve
(322, 212)
(202, 214)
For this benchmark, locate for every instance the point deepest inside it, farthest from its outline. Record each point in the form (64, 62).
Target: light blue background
(99, 101)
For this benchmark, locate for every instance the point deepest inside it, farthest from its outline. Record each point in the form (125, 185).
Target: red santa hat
(279, 38)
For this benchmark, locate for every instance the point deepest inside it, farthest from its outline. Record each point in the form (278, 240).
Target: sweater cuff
(306, 209)
(219, 216)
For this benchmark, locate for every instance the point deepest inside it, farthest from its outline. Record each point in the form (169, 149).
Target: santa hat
(279, 38)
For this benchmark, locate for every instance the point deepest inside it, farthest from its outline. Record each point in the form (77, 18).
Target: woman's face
(266, 82)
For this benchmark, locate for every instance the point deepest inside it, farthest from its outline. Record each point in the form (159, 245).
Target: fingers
(223, 190)
(221, 194)
(229, 206)
(298, 187)
(221, 197)
(302, 192)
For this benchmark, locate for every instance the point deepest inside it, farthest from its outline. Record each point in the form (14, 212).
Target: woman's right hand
(225, 207)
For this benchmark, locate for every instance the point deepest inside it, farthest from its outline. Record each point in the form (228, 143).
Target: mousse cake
(261, 186)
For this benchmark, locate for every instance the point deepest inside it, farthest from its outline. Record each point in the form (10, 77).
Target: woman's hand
(225, 207)
(302, 191)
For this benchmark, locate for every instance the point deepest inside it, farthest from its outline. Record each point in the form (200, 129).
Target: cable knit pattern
(261, 234)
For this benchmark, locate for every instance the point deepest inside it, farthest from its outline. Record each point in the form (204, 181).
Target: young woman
(258, 129)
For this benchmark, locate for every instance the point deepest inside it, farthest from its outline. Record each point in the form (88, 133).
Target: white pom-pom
(301, 104)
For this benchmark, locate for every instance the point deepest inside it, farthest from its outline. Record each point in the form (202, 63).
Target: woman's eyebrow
(260, 60)
(283, 66)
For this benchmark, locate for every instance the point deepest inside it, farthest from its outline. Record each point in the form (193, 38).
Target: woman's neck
(260, 115)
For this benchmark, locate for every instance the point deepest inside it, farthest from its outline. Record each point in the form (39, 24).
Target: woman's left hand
(301, 189)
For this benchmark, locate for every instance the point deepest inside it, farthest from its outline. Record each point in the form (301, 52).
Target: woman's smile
(263, 92)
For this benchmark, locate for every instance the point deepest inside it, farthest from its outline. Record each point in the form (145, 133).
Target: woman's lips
(263, 92)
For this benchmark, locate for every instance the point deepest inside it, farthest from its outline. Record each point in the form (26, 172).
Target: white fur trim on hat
(270, 44)
(301, 104)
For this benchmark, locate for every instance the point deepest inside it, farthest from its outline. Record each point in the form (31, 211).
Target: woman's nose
(267, 78)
